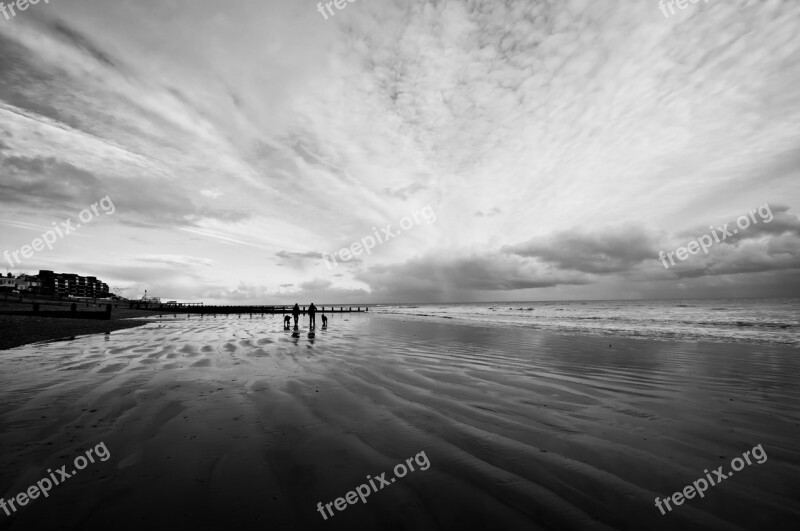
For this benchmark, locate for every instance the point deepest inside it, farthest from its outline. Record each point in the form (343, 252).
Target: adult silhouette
(312, 315)
(296, 314)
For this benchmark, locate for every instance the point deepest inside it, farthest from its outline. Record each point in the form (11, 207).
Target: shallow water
(755, 321)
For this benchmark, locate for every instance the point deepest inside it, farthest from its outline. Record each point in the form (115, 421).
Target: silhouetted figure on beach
(286, 322)
(312, 315)
(324, 321)
(296, 314)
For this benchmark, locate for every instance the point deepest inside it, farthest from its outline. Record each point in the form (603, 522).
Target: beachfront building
(20, 283)
(69, 284)
(8, 283)
(27, 283)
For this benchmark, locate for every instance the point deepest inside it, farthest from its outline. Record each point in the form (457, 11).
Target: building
(69, 284)
(8, 283)
(20, 283)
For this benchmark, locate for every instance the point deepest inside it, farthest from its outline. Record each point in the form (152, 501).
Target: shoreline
(583, 332)
(27, 330)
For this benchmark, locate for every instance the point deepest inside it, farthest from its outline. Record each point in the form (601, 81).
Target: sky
(483, 150)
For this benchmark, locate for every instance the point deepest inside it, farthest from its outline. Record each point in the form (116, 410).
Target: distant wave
(766, 322)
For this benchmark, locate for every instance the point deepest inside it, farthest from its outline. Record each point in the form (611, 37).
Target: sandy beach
(21, 330)
(231, 423)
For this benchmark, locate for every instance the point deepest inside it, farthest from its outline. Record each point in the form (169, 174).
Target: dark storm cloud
(499, 272)
(613, 251)
(776, 254)
(769, 220)
(772, 244)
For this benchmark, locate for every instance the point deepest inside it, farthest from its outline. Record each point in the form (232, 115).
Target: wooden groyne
(54, 310)
(224, 310)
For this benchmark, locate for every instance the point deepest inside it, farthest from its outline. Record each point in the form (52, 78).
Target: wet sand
(231, 423)
(16, 330)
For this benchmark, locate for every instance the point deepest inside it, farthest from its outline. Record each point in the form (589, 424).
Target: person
(312, 315)
(296, 314)
(287, 322)
(324, 321)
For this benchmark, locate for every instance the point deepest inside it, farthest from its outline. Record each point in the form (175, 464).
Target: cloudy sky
(539, 150)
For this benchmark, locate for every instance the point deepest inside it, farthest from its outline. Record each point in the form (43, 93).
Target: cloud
(763, 220)
(82, 42)
(298, 256)
(298, 260)
(319, 291)
(536, 130)
(779, 253)
(612, 250)
(316, 285)
(212, 194)
(180, 262)
(45, 182)
(489, 213)
(760, 247)
(456, 276)
(52, 185)
(405, 192)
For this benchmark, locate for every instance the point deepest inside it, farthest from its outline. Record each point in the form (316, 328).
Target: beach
(551, 251)
(22, 330)
(229, 422)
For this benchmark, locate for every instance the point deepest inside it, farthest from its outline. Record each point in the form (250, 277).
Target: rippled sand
(231, 423)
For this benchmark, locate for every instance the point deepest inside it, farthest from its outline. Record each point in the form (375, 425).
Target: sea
(759, 321)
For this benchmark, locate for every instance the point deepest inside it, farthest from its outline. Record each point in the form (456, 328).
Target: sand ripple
(228, 423)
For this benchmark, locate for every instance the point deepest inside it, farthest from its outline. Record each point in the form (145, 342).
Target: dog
(287, 321)
(324, 321)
